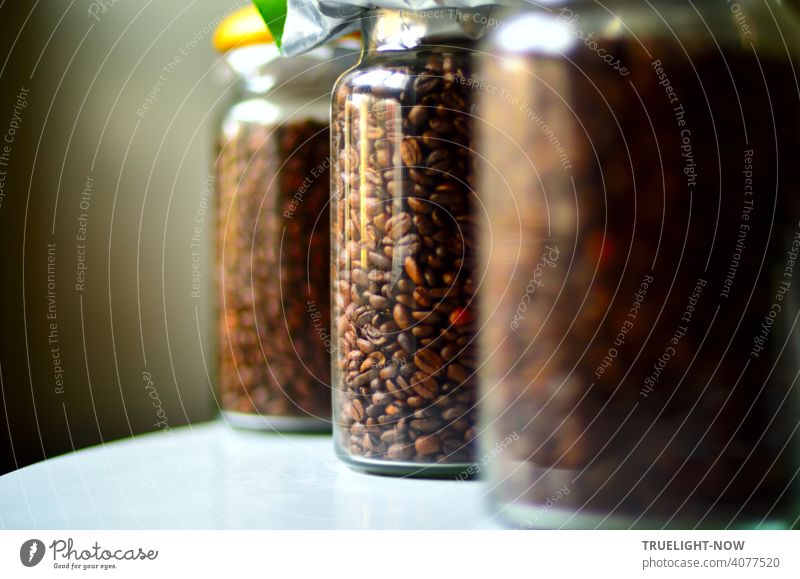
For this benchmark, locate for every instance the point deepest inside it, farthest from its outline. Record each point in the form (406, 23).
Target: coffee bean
(429, 361)
(418, 115)
(374, 410)
(399, 452)
(365, 346)
(407, 300)
(415, 401)
(453, 413)
(419, 206)
(426, 84)
(422, 297)
(441, 126)
(389, 436)
(422, 331)
(406, 342)
(410, 152)
(362, 379)
(398, 225)
(424, 385)
(360, 277)
(358, 409)
(457, 373)
(412, 269)
(401, 318)
(447, 199)
(379, 302)
(425, 445)
(378, 359)
(426, 424)
(379, 260)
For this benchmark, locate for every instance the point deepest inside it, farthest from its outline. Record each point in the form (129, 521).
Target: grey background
(86, 78)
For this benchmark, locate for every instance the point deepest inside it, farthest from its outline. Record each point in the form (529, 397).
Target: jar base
(267, 423)
(451, 471)
(542, 518)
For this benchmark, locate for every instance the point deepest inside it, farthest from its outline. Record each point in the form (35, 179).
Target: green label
(274, 14)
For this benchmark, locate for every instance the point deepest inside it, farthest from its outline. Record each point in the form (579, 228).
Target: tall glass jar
(403, 213)
(273, 231)
(641, 303)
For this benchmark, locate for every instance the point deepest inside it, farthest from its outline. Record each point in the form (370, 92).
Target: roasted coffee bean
(399, 452)
(401, 317)
(396, 390)
(407, 300)
(425, 445)
(389, 436)
(408, 369)
(415, 401)
(407, 239)
(422, 297)
(412, 269)
(422, 331)
(273, 328)
(453, 413)
(381, 398)
(398, 225)
(418, 115)
(457, 373)
(358, 410)
(425, 385)
(427, 316)
(360, 277)
(406, 342)
(426, 424)
(365, 346)
(429, 361)
(379, 302)
(426, 84)
(410, 152)
(379, 260)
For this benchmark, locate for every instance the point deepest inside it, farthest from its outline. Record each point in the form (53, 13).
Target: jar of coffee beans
(404, 265)
(642, 351)
(273, 230)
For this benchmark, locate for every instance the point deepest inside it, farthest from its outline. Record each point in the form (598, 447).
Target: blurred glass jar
(403, 246)
(642, 296)
(273, 230)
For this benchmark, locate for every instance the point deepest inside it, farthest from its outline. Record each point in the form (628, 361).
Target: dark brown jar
(273, 231)
(403, 216)
(643, 291)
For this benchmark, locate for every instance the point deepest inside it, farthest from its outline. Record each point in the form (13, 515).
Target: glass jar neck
(261, 69)
(385, 30)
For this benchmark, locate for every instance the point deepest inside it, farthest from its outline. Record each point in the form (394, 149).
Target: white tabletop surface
(210, 477)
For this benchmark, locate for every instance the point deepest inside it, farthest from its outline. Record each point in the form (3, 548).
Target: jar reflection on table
(641, 305)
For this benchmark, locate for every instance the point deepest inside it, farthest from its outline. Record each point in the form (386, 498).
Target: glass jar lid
(242, 28)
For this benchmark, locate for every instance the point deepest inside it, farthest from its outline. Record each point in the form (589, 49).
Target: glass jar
(641, 351)
(273, 231)
(403, 216)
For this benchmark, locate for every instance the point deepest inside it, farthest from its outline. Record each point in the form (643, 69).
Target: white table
(210, 476)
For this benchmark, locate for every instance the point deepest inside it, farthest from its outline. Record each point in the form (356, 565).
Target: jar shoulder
(277, 108)
(398, 70)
